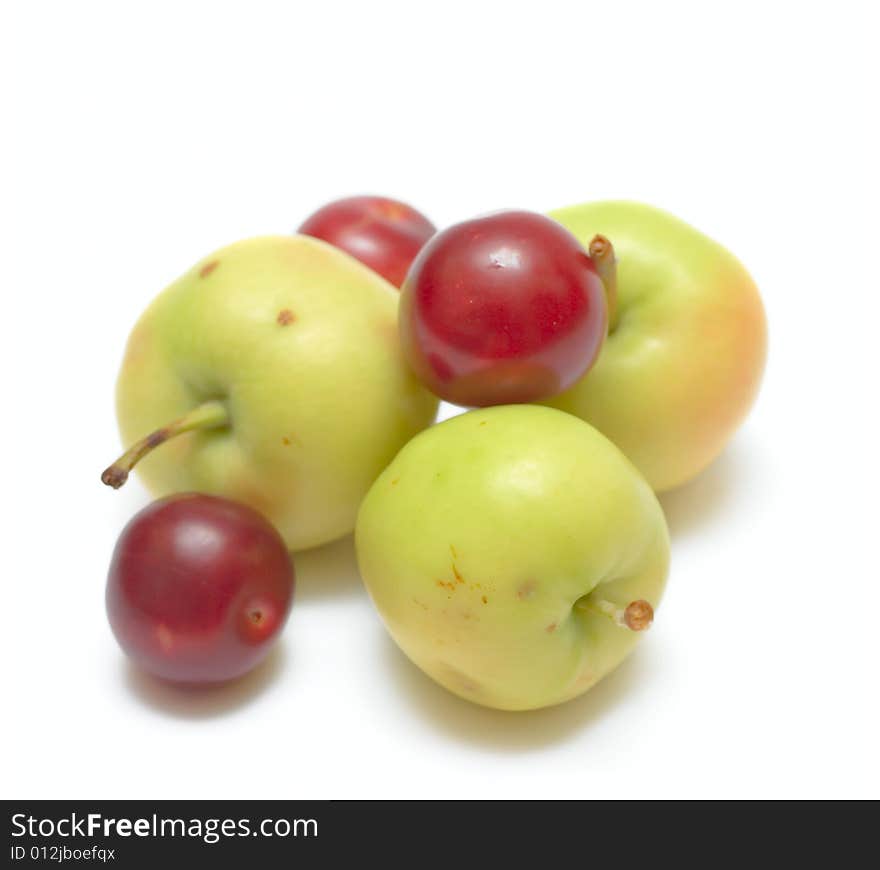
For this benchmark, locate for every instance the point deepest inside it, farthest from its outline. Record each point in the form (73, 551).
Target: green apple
(513, 553)
(271, 374)
(686, 348)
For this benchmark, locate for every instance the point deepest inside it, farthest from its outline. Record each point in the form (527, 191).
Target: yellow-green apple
(273, 371)
(514, 553)
(686, 347)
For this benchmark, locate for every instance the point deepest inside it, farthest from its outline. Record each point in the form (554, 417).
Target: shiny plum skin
(199, 588)
(502, 309)
(382, 233)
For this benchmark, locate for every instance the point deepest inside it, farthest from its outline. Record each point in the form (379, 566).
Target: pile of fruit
(280, 394)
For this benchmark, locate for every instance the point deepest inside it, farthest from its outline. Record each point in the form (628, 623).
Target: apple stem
(636, 616)
(602, 254)
(209, 415)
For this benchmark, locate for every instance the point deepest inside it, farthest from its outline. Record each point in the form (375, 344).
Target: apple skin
(300, 341)
(384, 234)
(480, 537)
(682, 368)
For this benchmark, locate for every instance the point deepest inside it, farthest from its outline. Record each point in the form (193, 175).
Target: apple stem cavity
(602, 254)
(210, 415)
(636, 616)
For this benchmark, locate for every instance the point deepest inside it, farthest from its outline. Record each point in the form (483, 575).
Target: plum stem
(209, 415)
(636, 616)
(602, 254)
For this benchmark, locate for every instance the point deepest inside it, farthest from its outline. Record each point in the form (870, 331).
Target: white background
(139, 137)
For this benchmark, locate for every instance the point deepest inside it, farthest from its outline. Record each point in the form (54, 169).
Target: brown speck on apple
(285, 317)
(526, 590)
(551, 628)
(485, 600)
(208, 268)
(462, 680)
